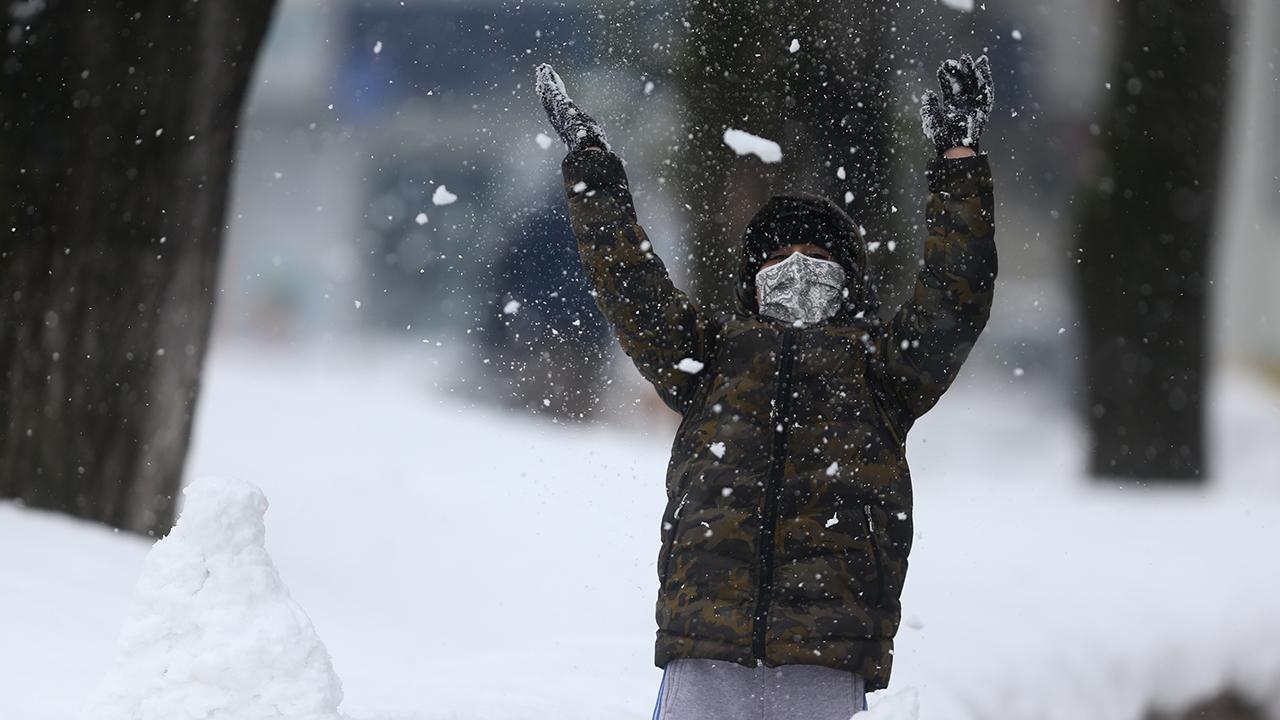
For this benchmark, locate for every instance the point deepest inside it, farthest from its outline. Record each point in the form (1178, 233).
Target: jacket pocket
(664, 560)
(874, 536)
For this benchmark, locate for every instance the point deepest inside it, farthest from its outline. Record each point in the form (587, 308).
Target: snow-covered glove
(958, 118)
(576, 128)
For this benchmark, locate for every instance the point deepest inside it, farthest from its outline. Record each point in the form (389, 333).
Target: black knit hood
(796, 218)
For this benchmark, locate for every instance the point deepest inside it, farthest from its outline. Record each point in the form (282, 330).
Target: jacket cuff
(959, 176)
(591, 172)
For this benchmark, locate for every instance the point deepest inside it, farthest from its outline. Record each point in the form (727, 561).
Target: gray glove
(576, 128)
(958, 118)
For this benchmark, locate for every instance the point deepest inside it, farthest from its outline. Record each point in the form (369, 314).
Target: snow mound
(743, 143)
(901, 705)
(213, 632)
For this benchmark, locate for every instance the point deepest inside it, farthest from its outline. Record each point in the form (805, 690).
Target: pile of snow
(744, 143)
(903, 704)
(213, 633)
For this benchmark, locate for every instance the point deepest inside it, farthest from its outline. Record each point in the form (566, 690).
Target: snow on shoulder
(213, 632)
(744, 143)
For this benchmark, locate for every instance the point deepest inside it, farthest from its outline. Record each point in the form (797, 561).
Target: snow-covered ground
(459, 562)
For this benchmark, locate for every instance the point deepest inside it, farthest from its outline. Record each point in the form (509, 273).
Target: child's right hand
(576, 128)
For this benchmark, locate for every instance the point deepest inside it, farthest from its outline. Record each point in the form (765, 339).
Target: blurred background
(359, 110)
(323, 247)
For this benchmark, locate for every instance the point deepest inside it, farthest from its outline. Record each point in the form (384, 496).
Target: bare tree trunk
(1144, 239)
(118, 124)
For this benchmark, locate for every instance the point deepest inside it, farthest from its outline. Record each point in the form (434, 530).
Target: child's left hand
(958, 118)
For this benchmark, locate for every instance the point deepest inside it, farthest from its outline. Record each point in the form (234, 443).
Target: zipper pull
(871, 521)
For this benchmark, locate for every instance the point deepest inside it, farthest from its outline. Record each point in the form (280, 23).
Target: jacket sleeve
(659, 327)
(930, 336)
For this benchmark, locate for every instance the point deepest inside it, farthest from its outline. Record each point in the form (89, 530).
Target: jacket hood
(796, 218)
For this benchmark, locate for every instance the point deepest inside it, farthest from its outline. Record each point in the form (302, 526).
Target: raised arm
(659, 327)
(930, 336)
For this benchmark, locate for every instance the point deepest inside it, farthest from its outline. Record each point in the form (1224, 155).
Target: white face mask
(800, 290)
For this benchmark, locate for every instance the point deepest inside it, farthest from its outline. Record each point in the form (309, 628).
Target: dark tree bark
(829, 104)
(1144, 235)
(1226, 705)
(117, 127)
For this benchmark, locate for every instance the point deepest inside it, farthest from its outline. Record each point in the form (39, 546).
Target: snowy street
(438, 550)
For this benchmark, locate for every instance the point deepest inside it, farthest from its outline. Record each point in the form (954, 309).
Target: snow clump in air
(961, 5)
(442, 196)
(213, 632)
(543, 140)
(689, 365)
(743, 143)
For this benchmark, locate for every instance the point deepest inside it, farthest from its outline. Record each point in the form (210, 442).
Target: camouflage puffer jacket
(788, 520)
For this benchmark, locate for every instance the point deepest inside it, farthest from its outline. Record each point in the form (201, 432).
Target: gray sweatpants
(697, 689)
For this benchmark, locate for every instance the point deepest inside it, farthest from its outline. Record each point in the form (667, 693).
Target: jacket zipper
(769, 519)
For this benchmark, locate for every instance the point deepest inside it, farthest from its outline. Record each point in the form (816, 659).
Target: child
(788, 522)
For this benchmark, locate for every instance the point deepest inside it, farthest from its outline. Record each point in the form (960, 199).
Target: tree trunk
(1144, 235)
(828, 104)
(118, 124)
